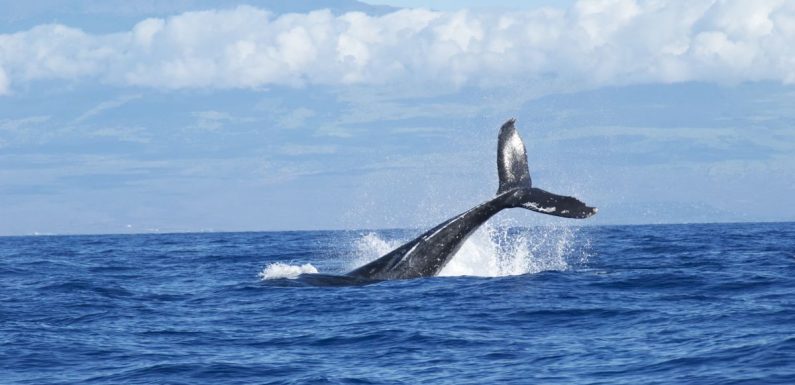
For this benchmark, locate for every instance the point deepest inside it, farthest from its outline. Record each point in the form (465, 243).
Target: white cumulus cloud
(3, 82)
(593, 43)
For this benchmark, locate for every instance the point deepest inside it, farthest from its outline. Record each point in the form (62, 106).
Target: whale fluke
(515, 178)
(430, 252)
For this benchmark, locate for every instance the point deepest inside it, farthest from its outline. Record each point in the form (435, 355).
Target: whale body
(428, 254)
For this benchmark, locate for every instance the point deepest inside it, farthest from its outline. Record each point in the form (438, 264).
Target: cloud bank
(591, 44)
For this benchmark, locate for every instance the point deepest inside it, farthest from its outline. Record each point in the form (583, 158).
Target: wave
(280, 270)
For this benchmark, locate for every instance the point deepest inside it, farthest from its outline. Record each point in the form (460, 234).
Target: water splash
(282, 270)
(494, 251)
(370, 246)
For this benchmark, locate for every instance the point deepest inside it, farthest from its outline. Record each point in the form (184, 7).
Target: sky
(455, 5)
(202, 115)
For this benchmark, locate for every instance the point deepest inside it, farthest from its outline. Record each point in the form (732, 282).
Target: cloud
(107, 105)
(123, 134)
(21, 123)
(296, 118)
(3, 82)
(591, 44)
(212, 120)
(23, 130)
(302, 150)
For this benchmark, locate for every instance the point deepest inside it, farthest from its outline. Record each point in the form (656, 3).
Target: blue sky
(203, 115)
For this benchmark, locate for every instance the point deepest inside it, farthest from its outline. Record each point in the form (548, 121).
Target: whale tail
(516, 186)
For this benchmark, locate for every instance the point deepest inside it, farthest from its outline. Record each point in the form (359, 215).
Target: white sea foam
(370, 246)
(498, 251)
(283, 270)
(493, 251)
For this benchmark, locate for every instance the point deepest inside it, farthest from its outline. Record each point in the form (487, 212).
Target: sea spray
(492, 251)
(370, 246)
(496, 251)
(282, 270)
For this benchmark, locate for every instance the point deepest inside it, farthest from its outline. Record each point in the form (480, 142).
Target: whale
(429, 253)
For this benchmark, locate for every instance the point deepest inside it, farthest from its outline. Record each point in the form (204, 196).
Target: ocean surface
(659, 304)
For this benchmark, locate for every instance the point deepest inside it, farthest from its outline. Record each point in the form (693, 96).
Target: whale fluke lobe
(511, 159)
(428, 254)
(538, 200)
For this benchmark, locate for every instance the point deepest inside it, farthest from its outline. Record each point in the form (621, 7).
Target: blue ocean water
(662, 304)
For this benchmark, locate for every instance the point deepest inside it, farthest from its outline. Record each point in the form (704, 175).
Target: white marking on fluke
(534, 206)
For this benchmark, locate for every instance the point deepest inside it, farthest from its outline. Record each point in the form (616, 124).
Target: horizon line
(379, 229)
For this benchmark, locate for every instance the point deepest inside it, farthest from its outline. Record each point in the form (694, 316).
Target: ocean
(657, 304)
